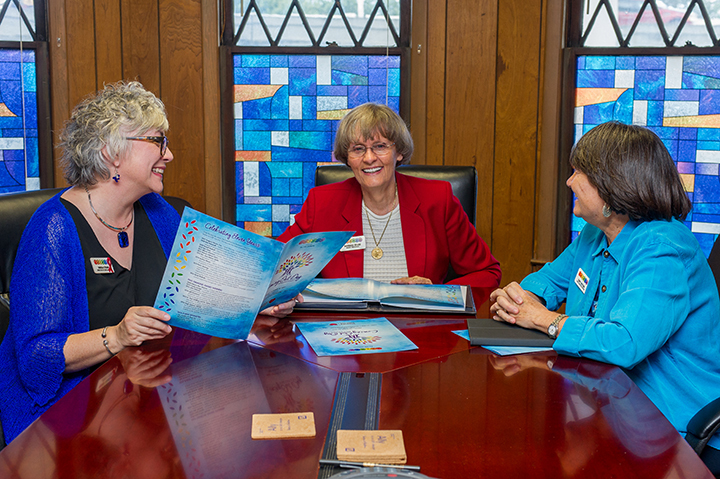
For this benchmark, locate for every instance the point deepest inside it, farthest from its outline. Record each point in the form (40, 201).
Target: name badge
(102, 265)
(356, 242)
(582, 280)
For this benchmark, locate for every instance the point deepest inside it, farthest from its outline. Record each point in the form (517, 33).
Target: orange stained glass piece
(593, 96)
(263, 228)
(254, 92)
(5, 111)
(332, 114)
(688, 181)
(252, 155)
(695, 121)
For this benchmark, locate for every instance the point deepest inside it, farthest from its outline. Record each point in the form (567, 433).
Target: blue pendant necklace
(122, 235)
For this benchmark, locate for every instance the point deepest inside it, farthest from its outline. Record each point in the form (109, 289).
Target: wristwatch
(553, 329)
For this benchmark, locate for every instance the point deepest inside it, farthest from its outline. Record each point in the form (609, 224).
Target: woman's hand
(411, 280)
(514, 305)
(283, 309)
(140, 324)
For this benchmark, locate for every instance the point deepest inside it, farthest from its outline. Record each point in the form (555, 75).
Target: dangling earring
(116, 176)
(606, 210)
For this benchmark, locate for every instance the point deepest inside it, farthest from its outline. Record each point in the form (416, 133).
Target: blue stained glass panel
(281, 134)
(19, 152)
(664, 97)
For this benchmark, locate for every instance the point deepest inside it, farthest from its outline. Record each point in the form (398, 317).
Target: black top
(111, 295)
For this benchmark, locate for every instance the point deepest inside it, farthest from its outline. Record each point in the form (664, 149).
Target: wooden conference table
(464, 412)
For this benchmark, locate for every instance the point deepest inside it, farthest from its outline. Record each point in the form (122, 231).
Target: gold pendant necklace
(377, 251)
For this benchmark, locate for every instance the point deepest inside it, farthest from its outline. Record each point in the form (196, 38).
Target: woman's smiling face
(370, 169)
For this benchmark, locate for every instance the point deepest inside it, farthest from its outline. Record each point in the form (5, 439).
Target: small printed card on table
(283, 426)
(364, 336)
(379, 447)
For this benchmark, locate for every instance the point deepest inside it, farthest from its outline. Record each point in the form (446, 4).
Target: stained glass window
(677, 97)
(287, 108)
(19, 153)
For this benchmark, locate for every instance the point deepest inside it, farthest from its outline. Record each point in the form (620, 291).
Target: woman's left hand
(283, 309)
(514, 305)
(411, 280)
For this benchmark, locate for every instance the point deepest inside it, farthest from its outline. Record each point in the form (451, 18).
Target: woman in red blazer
(408, 230)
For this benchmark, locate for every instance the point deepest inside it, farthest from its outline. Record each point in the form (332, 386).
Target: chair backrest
(16, 209)
(463, 180)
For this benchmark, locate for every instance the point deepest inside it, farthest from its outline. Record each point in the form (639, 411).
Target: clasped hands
(515, 305)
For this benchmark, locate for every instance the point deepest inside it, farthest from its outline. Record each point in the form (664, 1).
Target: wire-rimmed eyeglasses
(161, 141)
(380, 149)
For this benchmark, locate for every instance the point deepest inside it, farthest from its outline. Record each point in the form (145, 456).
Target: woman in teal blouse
(637, 289)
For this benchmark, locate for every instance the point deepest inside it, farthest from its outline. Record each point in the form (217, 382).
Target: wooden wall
(479, 98)
(485, 90)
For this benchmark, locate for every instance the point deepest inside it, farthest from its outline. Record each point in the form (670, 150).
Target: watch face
(552, 330)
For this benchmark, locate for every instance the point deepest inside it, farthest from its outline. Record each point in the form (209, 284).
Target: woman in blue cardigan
(91, 259)
(637, 288)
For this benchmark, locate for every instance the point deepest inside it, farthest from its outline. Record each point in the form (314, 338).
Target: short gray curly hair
(102, 120)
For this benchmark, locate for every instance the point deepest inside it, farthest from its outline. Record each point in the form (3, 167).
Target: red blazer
(436, 231)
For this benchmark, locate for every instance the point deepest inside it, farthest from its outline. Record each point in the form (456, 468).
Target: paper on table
(364, 336)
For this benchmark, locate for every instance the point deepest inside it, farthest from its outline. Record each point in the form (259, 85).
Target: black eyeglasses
(160, 141)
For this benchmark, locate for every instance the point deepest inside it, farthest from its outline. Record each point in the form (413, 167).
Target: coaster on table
(283, 426)
(382, 447)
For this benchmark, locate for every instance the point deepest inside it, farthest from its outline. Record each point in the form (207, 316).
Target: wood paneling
(470, 95)
(481, 91)
(434, 97)
(516, 117)
(181, 86)
(108, 42)
(141, 43)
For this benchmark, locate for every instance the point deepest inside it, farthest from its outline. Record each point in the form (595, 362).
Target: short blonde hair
(102, 120)
(366, 121)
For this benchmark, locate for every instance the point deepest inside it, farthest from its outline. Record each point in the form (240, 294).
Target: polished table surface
(182, 408)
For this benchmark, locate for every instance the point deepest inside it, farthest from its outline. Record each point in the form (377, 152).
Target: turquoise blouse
(657, 313)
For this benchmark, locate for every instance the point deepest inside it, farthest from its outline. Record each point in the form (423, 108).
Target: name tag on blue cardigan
(102, 265)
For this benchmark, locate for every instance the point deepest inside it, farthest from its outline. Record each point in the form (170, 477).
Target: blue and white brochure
(219, 276)
(364, 336)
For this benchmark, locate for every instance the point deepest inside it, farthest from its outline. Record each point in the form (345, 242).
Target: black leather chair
(463, 180)
(707, 421)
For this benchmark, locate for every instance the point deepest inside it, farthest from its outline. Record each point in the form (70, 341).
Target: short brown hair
(368, 120)
(632, 171)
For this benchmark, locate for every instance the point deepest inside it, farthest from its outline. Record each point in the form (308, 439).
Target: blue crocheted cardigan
(48, 298)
